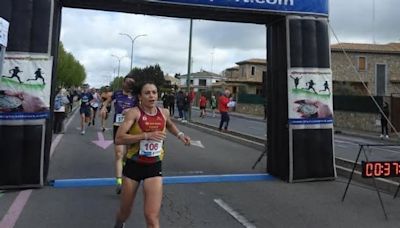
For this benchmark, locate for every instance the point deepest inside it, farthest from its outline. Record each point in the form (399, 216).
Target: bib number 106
(151, 146)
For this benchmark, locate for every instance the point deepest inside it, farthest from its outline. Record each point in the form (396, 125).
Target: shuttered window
(362, 63)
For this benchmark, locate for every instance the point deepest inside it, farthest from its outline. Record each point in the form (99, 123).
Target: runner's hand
(156, 135)
(185, 139)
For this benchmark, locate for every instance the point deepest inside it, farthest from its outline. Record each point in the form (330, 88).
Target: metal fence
(363, 104)
(250, 99)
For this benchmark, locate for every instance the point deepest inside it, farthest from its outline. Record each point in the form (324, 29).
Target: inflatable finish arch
(300, 120)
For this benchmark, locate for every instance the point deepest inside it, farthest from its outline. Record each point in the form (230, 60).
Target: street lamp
(119, 62)
(133, 41)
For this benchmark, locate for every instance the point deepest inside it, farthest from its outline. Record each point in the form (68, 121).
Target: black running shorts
(138, 172)
(115, 129)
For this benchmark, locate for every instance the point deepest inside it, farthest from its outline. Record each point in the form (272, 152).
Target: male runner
(123, 99)
(85, 110)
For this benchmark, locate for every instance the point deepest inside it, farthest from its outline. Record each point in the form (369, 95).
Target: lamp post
(133, 41)
(189, 68)
(119, 62)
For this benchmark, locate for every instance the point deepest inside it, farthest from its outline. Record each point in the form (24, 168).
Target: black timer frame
(362, 149)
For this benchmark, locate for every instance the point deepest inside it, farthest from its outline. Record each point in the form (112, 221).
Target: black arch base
(296, 152)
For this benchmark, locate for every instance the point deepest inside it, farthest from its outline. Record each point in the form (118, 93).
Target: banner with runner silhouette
(310, 96)
(25, 84)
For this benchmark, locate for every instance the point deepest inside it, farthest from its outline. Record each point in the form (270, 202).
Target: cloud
(93, 36)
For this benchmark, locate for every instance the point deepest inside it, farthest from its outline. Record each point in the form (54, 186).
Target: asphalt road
(268, 203)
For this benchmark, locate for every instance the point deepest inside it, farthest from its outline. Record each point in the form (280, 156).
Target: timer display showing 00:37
(381, 169)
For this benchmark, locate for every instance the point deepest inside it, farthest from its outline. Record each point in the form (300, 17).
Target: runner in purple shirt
(123, 100)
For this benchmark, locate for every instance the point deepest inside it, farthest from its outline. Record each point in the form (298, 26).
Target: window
(253, 70)
(362, 63)
(380, 75)
(202, 82)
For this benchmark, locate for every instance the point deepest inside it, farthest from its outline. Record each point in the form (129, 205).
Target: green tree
(116, 84)
(70, 72)
(149, 73)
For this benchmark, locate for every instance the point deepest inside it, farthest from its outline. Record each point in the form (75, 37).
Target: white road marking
(240, 218)
(197, 143)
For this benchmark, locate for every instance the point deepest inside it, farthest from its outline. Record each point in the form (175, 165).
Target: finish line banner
(319, 7)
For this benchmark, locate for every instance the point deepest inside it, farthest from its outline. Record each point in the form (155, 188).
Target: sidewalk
(338, 130)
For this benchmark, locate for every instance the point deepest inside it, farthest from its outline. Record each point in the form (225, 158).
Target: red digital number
(369, 167)
(377, 169)
(386, 169)
(396, 167)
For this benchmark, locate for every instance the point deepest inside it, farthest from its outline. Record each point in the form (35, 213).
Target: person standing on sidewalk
(60, 102)
(144, 130)
(213, 105)
(180, 103)
(171, 103)
(384, 121)
(124, 99)
(223, 101)
(202, 105)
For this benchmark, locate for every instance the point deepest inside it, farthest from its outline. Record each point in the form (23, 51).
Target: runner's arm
(123, 137)
(106, 103)
(174, 130)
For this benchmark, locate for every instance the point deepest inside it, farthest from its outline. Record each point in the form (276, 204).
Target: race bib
(150, 148)
(119, 118)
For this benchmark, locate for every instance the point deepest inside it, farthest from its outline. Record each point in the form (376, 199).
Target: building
(171, 81)
(200, 81)
(377, 65)
(246, 77)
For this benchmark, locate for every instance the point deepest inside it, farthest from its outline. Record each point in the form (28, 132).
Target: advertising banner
(25, 87)
(310, 96)
(4, 25)
(320, 7)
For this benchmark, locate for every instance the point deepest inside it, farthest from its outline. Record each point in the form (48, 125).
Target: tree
(149, 73)
(116, 84)
(70, 72)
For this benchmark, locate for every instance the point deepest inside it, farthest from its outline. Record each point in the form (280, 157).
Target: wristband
(179, 134)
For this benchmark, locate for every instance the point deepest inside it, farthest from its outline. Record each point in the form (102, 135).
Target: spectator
(60, 101)
(202, 105)
(213, 104)
(171, 104)
(223, 101)
(180, 103)
(384, 120)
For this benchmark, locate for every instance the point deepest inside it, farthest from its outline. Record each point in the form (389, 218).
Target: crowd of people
(97, 102)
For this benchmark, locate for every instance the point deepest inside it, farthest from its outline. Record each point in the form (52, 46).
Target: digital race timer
(381, 169)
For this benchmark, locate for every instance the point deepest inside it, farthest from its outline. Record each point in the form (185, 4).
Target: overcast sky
(93, 37)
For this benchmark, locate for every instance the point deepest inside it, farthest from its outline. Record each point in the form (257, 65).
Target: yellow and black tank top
(147, 151)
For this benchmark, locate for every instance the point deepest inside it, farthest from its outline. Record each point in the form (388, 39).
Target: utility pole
(119, 62)
(189, 68)
(373, 22)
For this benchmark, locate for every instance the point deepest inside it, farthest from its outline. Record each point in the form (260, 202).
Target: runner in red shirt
(223, 101)
(202, 105)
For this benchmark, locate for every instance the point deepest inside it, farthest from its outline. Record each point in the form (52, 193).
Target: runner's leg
(152, 189)
(128, 194)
